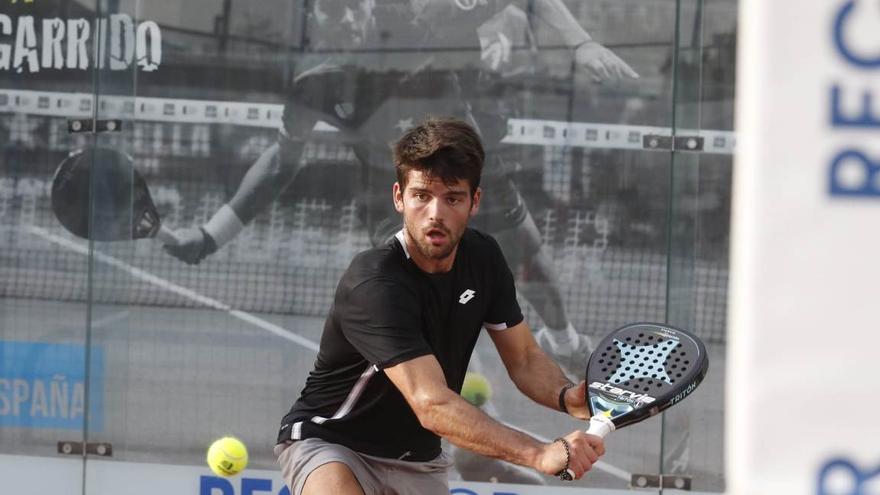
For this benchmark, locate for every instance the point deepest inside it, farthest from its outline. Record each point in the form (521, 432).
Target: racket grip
(600, 425)
(166, 236)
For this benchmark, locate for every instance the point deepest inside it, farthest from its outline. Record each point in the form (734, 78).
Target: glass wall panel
(261, 130)
(46, 76)
(283, 113)
(121, 222)
(699, 229)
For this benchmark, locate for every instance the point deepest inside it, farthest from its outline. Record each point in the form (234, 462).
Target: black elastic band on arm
(562, 406)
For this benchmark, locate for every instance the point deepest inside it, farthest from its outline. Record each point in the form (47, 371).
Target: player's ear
(475, 206)
(397, 193)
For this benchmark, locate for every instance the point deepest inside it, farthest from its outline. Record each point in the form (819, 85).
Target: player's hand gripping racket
(639, 370)
(117, 194)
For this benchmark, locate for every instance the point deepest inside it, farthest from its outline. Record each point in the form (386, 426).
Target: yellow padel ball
(227, 456)
(476, 389)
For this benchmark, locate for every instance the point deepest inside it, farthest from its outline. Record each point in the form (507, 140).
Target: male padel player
(398, 338)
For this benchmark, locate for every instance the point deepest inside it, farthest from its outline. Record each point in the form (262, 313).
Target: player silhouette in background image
(375, 67)
(406, 316)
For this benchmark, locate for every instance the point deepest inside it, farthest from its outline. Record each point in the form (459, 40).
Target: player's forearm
(539, 378)
(262, 184)
(563, 22)
(466, 426)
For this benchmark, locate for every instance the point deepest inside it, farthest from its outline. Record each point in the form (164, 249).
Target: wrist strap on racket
(209, 247)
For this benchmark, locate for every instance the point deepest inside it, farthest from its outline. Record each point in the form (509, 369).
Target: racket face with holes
(641, 369)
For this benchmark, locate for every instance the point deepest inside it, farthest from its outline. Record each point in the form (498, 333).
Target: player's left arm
(602, 63)
(534, 373)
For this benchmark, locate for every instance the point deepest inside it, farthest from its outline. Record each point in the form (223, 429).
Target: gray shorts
(376, 475)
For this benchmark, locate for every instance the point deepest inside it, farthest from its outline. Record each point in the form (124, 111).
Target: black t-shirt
(387, 311)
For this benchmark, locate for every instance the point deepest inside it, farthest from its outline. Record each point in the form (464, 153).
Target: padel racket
(639, 370)
(117, 194)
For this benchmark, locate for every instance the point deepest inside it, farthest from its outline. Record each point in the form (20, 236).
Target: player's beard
(428, 250)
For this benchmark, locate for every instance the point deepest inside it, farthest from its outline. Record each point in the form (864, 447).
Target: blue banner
(44, 386)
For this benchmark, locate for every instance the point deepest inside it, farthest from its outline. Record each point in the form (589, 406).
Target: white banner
(803, 337)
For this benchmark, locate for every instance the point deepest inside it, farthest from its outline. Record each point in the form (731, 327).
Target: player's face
(435, 216)
(345, 22)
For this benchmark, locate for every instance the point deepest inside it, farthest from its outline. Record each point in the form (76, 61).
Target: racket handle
(166, 236)
(600, 425)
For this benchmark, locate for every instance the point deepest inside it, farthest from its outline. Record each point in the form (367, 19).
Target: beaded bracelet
(565, 474)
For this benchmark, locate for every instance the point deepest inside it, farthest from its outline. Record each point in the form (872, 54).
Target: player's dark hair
(446, 148)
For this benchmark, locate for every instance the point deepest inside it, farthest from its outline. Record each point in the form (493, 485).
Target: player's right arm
(444, 412)
(267, 178)
(264, 181)
(379, 311)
